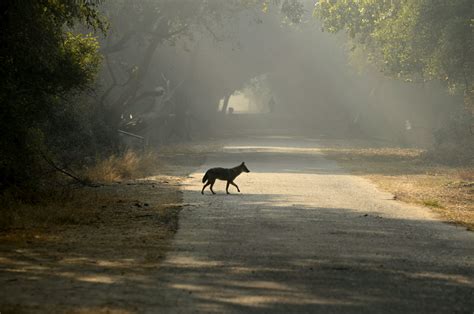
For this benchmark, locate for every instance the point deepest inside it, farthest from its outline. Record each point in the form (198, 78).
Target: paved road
(304, 236)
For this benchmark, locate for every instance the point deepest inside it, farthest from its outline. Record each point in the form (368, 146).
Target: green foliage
(293, 10)
(410, 39)
(79, 54)
(43, 63)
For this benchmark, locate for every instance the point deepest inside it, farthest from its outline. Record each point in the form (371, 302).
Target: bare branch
(168, 35)
(114, 80)
(216, 38)
(148, 94)
(119, 45)
(67, 173)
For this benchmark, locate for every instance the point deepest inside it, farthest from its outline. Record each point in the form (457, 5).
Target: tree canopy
(411, 39)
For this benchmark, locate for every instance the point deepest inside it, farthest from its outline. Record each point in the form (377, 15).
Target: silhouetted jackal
(224, 174)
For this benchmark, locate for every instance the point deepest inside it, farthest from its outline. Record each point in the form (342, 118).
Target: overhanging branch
(119, 45)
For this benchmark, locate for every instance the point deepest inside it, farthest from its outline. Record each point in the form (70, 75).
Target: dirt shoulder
(408, 174)
(104, 246)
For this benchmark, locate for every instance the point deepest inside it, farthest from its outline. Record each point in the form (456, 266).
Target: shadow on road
(341, 260)
(322, 276)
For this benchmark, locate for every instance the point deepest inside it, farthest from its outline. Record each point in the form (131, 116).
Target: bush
(454, 142)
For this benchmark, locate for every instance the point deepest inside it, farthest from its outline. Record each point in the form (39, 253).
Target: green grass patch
(432, 203)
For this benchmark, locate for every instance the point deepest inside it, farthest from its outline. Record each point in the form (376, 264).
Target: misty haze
(263, 156)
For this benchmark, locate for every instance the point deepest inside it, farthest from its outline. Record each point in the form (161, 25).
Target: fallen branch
(67, 173)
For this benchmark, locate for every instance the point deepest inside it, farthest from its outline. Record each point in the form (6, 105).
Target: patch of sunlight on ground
(453, 278)
(270, 285)
(270, 300)
(191, 262)
(97, 279)
(275, 149)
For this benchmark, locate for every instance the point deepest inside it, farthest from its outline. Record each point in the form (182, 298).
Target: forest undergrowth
(128, 179)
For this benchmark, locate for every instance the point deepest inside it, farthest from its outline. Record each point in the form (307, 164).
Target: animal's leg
(202, 191)
(212, 184)
(227, 187)
(235, 185)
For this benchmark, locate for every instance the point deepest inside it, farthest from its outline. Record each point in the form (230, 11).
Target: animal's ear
(243, 163)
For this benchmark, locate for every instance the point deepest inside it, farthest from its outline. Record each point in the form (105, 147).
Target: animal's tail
(204, 179)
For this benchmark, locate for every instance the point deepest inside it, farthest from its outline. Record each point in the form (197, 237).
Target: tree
(411, 39)
(140, 28)
(43, 62)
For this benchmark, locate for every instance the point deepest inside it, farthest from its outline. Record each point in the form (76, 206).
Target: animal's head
(244, 167)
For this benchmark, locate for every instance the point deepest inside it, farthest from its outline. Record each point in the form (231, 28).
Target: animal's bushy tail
(204, 179)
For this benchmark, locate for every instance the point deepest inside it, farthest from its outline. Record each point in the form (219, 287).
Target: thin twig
(67, 173)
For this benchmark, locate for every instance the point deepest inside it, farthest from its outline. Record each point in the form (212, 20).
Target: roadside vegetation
(65, 200)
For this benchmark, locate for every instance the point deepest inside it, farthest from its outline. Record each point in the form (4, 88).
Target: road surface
(305, 236)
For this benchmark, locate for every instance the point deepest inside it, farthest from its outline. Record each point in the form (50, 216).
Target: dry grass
(412, 177)
(67, 204)
(129, 165)
(132, 165)
(60, 203)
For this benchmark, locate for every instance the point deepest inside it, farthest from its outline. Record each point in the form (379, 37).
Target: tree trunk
(226, 104)
(131, 91)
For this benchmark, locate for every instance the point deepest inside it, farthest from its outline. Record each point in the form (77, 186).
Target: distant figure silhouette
(271, 105)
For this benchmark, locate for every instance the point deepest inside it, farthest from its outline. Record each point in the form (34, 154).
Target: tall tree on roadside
(43, 61)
